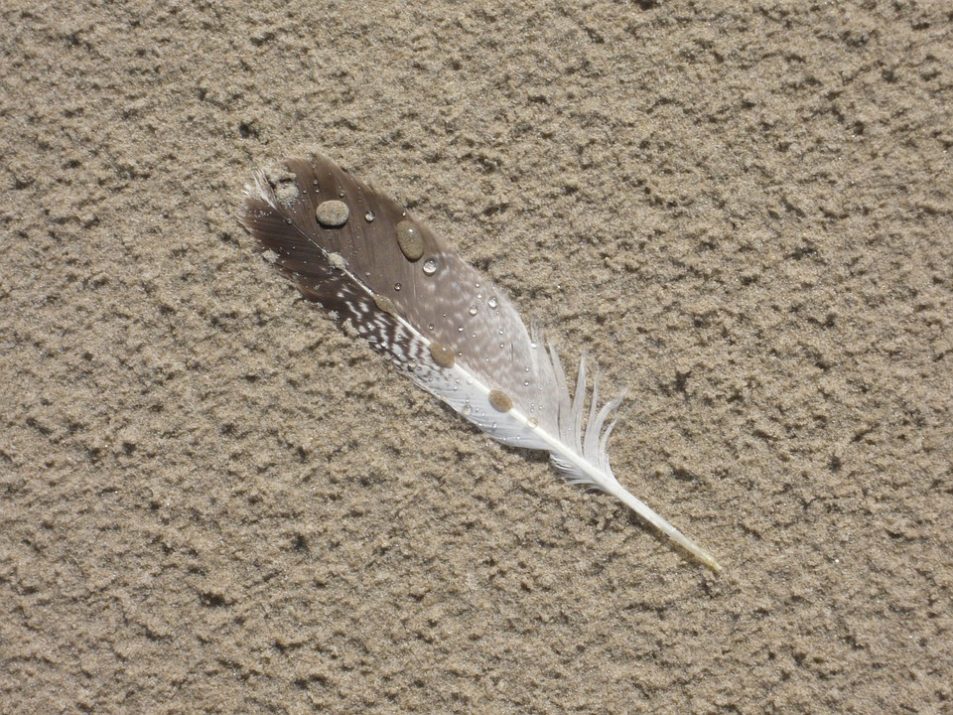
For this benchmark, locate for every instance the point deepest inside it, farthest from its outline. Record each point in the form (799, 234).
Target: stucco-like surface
(212, 501)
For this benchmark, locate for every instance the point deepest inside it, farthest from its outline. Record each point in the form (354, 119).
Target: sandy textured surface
(213, 502)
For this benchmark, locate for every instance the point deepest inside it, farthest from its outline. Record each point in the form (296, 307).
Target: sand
(212, 501)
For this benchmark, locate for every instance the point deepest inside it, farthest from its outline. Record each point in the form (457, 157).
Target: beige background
(211, 501)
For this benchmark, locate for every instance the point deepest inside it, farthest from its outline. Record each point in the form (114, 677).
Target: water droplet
(369, 216)
(525, 383)
(533, 422)
(385, 304)
(492, 302)
(410, 241)
(466, 410)
(430, 327)
(441, 355)
(473, 310)
(430, 266)
(397, 286)
(500, 401)
(332, 214)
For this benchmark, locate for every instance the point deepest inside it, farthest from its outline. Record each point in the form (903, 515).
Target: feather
(384, 276)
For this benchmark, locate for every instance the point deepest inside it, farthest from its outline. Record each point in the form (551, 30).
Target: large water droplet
(410, 241)
(430, 266)
(332, 214)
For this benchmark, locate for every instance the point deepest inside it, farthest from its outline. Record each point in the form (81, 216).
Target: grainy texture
(211, 501)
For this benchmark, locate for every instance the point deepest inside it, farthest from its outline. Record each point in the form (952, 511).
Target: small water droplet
(473, 310)
(533, 422)
(430, 266)
(397, 286)
(492, 302)
(525, 383)
(466, 410)
(430, 326)
(369, 216)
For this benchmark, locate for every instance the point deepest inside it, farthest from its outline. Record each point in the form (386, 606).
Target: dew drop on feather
(430, 266)
(492, 302)
(385, 304)
(473, 310)
(410, 241)
(369, 216)
(397, 286)
(442, 355)
(500, 401)
(332, 214)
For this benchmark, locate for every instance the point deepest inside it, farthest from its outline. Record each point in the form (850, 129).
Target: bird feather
(386, 277)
